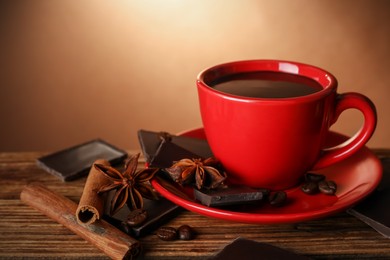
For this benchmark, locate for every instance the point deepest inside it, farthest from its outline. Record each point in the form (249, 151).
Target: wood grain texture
(101, 234)
(27, 233)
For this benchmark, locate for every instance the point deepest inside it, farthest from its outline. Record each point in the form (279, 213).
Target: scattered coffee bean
(317, 182)
(167, 233)
(310, 187)
(277, 198)
(136, 217)
(314, 177)
(327, 187)
(185, 232)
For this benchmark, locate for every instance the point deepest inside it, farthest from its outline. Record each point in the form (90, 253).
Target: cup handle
(343, 102)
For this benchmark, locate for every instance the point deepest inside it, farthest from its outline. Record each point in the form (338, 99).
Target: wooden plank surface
(26, 233)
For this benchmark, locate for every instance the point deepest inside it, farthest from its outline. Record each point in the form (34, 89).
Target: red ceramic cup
(272, 142)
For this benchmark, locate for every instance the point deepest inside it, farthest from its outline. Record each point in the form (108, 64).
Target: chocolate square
(75, 162)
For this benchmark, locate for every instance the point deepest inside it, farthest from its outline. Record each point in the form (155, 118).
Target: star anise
(131, 185)
(202, 172)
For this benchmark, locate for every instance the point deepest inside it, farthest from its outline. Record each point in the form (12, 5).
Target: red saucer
(356, 177)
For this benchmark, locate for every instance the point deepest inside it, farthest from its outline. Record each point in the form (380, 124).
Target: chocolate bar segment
(75, 162)
(149, 142)
(234, 195)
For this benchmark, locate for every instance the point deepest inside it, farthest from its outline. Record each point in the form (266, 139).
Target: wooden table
(26, 233)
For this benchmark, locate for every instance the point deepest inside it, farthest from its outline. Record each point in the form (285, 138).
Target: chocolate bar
(234, 195)
(242, 248)
(75, 162)
(158, 212)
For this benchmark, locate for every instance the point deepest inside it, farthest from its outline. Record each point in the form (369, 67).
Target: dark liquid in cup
(266, 85)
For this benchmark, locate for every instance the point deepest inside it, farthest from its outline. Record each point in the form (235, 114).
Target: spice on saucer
(131, 185)
(203, 173)
(210, 189)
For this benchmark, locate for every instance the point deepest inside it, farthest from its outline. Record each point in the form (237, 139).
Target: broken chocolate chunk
(230, 196)
(161, 149)
(168, 153)
(202, 173)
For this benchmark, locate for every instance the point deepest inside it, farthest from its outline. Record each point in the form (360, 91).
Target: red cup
(272, 142)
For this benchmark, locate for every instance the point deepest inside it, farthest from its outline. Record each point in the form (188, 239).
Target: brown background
(73, 70)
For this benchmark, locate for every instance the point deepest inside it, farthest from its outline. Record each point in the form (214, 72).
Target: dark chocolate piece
(158, 213)
(168, 153)
(179, 147)
(229, 196)
(375, 210)
(150, 142)
(197, 146)
(242, 248)
(75, 162)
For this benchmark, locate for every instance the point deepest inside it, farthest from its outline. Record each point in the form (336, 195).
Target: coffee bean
(277, 198)
(136, 217)
(314, 177)
(185, 232)
(167, 233)
(310, 187)
(327, 187)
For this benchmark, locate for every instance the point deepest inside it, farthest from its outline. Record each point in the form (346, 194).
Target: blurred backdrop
(71, 71)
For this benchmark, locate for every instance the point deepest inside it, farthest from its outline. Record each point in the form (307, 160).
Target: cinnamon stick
(101, 234)
(91, 204)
